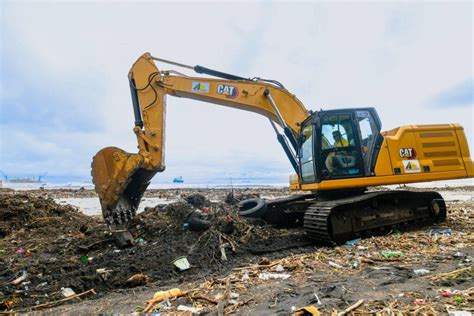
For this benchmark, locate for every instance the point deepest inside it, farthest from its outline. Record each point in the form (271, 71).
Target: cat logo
(408, 153)
(229, 91)
(411, 166)
(200, 87)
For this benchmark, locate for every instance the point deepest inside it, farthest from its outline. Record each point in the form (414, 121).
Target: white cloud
(394, 56)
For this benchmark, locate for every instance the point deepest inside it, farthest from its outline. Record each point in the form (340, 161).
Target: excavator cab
(339, 144)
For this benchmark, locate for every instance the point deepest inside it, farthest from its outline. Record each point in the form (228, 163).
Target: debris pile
(21, 212)
(421, 271)
(206, 234)
(47, 247)
(201, 256)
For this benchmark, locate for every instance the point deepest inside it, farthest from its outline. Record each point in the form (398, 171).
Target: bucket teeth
(119, 181)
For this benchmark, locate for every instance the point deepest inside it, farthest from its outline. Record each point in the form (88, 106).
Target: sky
(64, 92)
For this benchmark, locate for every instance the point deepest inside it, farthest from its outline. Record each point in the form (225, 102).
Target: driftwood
(351, 308)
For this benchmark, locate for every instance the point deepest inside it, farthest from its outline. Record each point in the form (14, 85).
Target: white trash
(268, 276)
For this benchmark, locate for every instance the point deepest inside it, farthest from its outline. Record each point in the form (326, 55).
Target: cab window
(338, 151)
(306, 153)
(337, 131)
(368, 130)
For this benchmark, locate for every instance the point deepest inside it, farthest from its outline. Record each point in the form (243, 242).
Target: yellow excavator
(336, 154)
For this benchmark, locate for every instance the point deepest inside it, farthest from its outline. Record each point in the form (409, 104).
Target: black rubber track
(344, 219)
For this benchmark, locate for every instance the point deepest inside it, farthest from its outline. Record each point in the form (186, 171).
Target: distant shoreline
(214, 185)
(90, 186)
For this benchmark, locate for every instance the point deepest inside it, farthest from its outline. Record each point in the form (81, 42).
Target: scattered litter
(421, 271)
(391, 254)
(268, 276)
(20, 279)
(59, 249)
(279, 268)
(458, 299)
(446, 232)
(307, 310)
(335, 265)
(355, 264)
(182, 263)
(39, 286)
(459, 313)
(67, 292)
(351, 243)
(104, 273)
(20, 251)
(138, 280)
(162, 295)
(317, 299)
(140, 242)
(164, 305)
(185, 308)
(420, 302)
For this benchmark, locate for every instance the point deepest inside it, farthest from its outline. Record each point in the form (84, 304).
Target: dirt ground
(237, 266)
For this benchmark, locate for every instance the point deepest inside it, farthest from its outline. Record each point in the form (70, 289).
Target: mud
(64, 248)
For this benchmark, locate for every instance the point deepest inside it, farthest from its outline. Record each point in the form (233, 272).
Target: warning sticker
(200, 87)
(411, 166)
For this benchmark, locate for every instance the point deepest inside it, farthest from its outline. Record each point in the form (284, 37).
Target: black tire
(198, 224)
(438, 210)
(253, 208)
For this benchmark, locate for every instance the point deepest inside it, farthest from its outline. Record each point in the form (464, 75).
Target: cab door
(306, 153)
(368, 126)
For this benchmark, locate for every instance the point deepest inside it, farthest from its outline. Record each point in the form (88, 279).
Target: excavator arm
(121, 178)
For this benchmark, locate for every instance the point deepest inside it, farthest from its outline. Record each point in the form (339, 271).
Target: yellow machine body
(438, 152)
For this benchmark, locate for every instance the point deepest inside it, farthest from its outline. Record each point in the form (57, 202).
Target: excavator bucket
(120, 182)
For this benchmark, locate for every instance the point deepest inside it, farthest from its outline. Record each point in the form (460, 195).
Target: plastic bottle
(163, 295)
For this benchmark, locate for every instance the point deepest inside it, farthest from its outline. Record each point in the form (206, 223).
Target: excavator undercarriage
(330, 220)
(340, 220)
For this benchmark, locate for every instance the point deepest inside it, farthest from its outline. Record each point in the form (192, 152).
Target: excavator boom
(121, 178)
